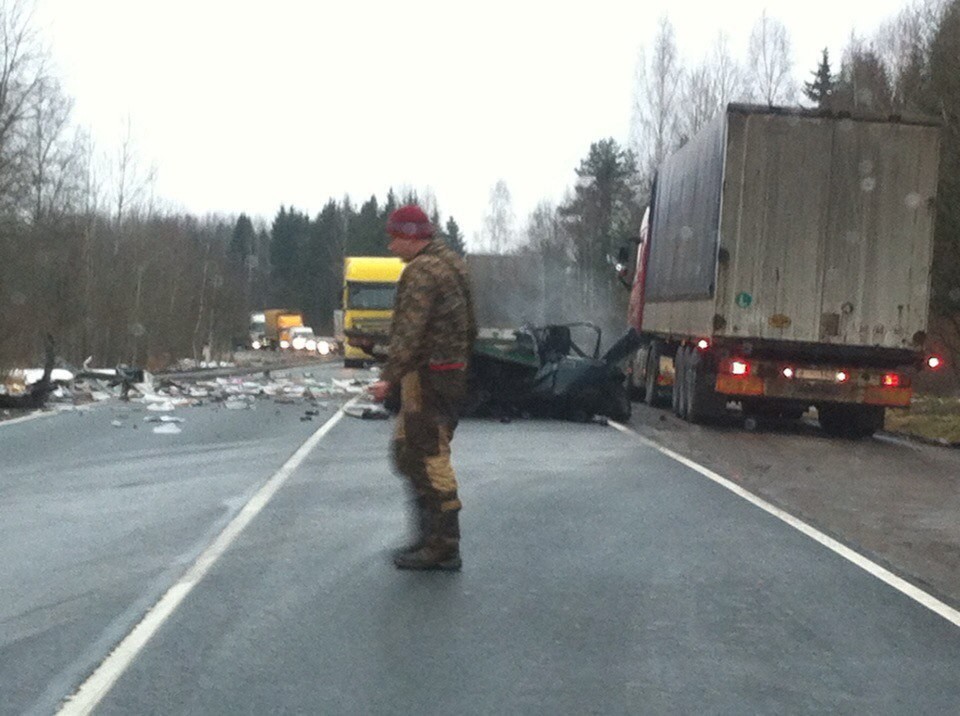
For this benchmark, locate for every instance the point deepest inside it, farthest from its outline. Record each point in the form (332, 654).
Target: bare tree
(770, 61)
(863, 83)
(132, 181)
(499, 221)
(22, 69)
(707, 88)
(699, 101)
(729, 79)
(656, 99)
(902, 44)
(56, 152)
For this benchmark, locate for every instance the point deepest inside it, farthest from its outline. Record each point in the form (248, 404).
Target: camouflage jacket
(433, 321)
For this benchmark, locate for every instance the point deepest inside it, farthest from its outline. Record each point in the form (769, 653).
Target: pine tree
(600, 218)
(243, 238)
(454, 238)
(366, 234)
(322, 275)
(287, 239)
(821, 89)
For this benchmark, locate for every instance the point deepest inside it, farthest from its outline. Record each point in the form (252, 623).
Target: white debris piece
(366, 411)
(167, 429)
(349, 386)
(171, 419)
(164, 407)
(117, 424)
(100, 395)
(147, 386)
(237, 404)
(57, 375)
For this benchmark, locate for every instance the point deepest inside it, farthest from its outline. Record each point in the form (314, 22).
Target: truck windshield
(370, 296)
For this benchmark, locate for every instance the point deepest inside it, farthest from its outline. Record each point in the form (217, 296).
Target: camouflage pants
(429, 410)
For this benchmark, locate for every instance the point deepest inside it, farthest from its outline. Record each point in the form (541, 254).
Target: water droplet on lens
(913, 200)
(17, 298)
(868, 184)
(137, 330)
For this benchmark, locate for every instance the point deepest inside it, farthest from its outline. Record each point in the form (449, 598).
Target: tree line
(298, 263)
(90, 256)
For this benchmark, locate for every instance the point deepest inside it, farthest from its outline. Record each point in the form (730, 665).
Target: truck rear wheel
(703, 403)
(680, 383)
(852, 422)
(654, 393)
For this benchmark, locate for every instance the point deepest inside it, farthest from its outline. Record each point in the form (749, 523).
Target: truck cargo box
(796, 226)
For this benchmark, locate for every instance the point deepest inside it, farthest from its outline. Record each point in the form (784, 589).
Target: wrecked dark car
(553, 371)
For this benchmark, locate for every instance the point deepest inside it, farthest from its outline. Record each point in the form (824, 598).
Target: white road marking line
(899, 442)
(884, 575)
(25, 418)
(99, 683)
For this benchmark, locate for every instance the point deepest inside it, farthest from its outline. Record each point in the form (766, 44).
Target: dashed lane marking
(98, 685)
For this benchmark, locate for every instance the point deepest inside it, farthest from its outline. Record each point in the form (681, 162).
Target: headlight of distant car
(323, 348)
(299, 342)
(311, 344)
(284, 344)
(256, 345)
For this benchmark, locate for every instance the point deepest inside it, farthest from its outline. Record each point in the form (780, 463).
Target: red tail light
(703, 344)
(934, 362)
(891, 380)
(842, 376)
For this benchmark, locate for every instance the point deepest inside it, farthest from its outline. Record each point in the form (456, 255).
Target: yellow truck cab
(369, 287)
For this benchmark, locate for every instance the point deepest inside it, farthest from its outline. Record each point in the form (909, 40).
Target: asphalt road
(600, 576)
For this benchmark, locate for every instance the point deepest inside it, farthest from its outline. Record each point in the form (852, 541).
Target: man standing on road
(431, 339)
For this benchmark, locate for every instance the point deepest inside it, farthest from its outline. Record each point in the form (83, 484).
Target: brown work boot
(421, 526)
(441, 549)
(440, 553)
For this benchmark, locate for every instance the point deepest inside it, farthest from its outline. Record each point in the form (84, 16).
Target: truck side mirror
(621, 265)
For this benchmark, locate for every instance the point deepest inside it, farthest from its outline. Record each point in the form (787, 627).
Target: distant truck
(369, 287)
(784, 262)
(256, 330)
(275, 321)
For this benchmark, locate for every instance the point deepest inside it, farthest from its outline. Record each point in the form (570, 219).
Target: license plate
(824, 375)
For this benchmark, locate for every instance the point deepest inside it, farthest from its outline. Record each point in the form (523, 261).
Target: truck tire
(852, 422)
(703, 403)
(679, 394)
(654, 395)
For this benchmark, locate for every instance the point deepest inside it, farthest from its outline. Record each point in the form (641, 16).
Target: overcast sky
(244, 106)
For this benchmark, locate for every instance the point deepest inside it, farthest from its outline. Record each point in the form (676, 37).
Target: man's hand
(364, 343)
(380, 390)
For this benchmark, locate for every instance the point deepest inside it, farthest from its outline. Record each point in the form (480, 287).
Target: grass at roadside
(930, 417)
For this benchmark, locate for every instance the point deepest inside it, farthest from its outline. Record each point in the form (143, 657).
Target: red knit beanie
(409, 222)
